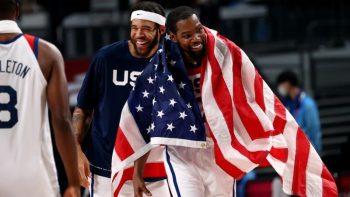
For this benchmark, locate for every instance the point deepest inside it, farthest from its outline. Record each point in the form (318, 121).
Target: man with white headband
(32, 81)
(105, 89)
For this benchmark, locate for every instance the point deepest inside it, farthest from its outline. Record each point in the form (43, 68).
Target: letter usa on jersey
(105, 89)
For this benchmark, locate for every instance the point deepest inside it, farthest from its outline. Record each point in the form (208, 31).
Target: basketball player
(32, 80)
(191, 171)
(227, 85)
(105, 89)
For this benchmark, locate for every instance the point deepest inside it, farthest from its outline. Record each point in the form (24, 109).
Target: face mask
(282, 91)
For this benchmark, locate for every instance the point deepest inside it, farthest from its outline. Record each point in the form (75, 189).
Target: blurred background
(311, 38)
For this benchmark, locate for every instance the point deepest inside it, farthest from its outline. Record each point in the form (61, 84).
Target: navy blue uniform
(105, 90)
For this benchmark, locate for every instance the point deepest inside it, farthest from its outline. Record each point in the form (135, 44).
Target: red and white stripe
(130, 146)
(250, 125)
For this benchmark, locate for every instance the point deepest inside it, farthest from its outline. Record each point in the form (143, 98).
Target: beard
(197, 55)
(147, 51)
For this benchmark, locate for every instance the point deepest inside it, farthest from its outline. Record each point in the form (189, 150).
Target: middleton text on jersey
(14, 67)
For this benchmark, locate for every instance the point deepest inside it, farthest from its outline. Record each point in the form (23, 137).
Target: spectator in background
(301, 106)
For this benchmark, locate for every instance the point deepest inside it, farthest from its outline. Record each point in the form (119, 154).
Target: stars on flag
(189, 106)
(145, 94)
(170, 126)
(139, 108)
(161, 89)
(172, 102)
(170, 78)
(182, 85)
(148, 129)
(193, 128)
(160, 114)
(153, 126)
(183, 115)
(150, 80)
(160, 104)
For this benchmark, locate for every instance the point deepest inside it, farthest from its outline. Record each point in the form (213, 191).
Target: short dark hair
(7, 7)
(148, 6)
(288, 76)
(178, 14)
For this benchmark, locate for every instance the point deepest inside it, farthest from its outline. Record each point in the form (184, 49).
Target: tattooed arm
(81, 123)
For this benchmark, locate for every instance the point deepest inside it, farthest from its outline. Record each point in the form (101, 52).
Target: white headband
(150, 16)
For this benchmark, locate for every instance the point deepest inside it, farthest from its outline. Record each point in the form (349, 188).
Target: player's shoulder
(115, 49)
(49, 56)
(48, 50)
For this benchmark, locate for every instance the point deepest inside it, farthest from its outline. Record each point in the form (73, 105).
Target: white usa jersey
(27, 166)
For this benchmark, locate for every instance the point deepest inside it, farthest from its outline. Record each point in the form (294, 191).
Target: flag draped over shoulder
(249, 124)
(161, 109)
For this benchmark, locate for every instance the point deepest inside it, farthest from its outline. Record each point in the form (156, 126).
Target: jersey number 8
(7, 107)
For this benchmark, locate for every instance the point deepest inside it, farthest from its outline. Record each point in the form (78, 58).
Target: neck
(5, 37)
(190, 60)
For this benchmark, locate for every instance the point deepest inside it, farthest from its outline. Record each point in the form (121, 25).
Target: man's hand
(72, 192)
(140, 187)
(84, 168)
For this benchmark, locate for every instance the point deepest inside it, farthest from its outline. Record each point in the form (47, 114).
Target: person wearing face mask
(301, 106)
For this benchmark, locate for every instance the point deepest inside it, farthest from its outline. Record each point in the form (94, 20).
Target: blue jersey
(105, 89)
(304, 110)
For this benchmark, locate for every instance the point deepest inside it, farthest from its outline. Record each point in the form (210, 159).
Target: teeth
(197, 46)
(140, 42)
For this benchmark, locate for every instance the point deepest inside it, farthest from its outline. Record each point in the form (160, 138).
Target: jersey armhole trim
(33, 42)
(36, 47)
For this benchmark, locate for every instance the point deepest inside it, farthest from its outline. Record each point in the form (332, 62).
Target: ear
(172, 36)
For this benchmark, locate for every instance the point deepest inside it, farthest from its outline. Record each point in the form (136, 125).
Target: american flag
(247, 122)
(250, 125)
(161, 109)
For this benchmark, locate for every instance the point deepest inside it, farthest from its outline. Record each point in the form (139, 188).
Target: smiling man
(234, 110)
(190, 171)
(105, 89)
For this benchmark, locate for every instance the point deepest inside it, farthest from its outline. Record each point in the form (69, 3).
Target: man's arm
(81, 123)
(138, 182)
(52, 66)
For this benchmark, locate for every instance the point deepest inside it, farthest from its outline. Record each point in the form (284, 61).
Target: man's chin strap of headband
(150, 16)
